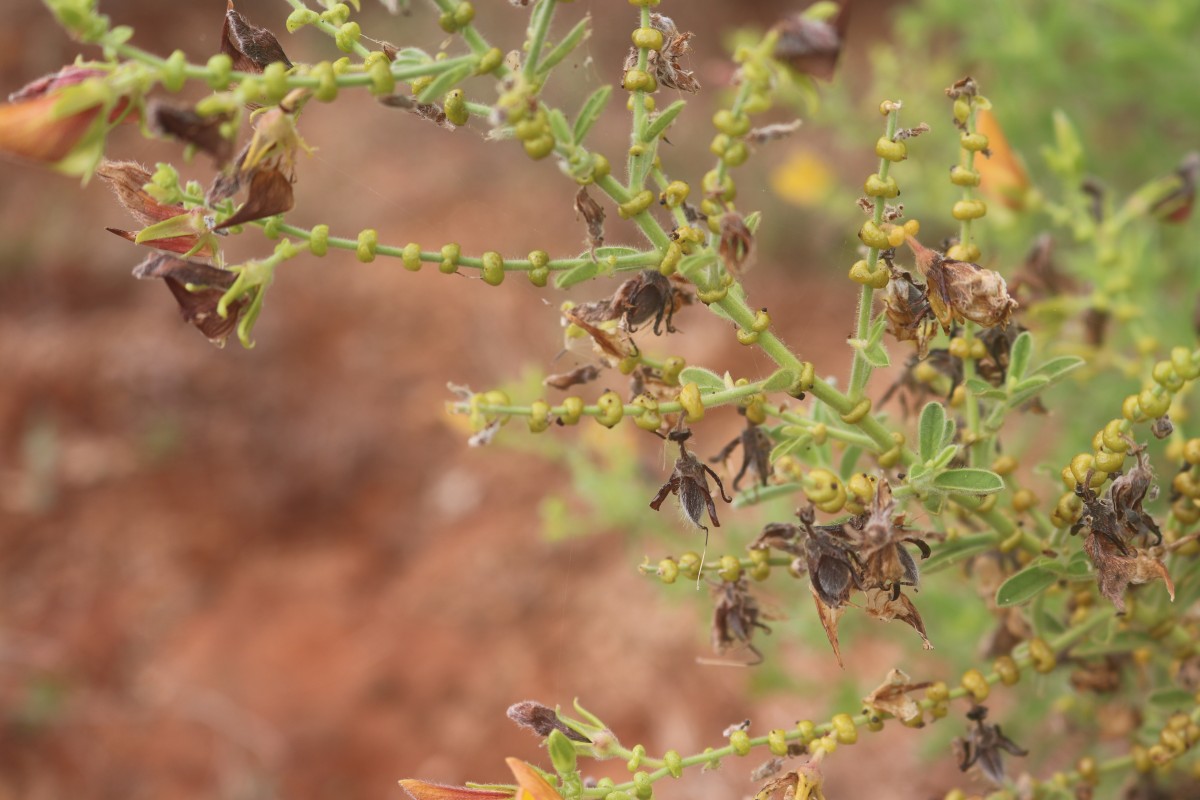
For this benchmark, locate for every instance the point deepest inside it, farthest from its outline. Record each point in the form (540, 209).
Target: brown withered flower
(197, 130)
(812, 46)
(270, 194)
(834, 568)
(1111, 522)
(886, 606)
(593, 216)
(756, 454)
(736, 615)
(648, 295)
(665, 64)
(541, 719)
(892, 696)
(128, 179)
(961, 291)
(576, 377)
(197, 288)
(984, 745)
(690, 484)
(887, 564)
(1101, 676)
(908, 311)
(252, 48)
(737, 244)
(430, 112)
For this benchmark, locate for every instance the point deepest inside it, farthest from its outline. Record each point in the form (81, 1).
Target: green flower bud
(347, 37)
(368, 240)
(411, 256)
(973, 142)
(875, 186)
(318, 242)
(455, 107)
(301, 17)
(730, 568)
(173, 75)
(892, 151)
(540, 147)
(648, 38)
(731, 124)
(327, 89)
(674, 763)
(643, 787)
(962, 176)
(668, 570)
(450, 255)
(740, 742)
(489, 61)
(636, 204)
(611, 409)
(736, 154)
(493, 268)
(382, 80)
(638, 80)
(220, 69)
(275, 81)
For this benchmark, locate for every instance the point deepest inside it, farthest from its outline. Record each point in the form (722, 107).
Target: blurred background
(280, 572)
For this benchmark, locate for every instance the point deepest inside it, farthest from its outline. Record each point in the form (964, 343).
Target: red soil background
(280, 572)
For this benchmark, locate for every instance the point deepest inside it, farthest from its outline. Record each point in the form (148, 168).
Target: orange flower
(60, 119)
(1001, 174)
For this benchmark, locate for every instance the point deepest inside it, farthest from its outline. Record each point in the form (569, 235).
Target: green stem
(860, 369)
(641, 154)
(330, 29)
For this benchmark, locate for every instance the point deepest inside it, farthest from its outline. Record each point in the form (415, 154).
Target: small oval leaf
(1025, 585)
(969, 480)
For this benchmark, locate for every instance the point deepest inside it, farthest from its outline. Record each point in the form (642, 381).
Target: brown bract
(576, 377)
(593, 216)
(541, 719)
(252, 48)
(756, 453)
(962, 291)
(649, 295)
(270, 194)
(812, 46)
(1112, 522)
(736, 615)
(887, 565)
(891, 696)
(197, 288)
(909, 315)
(737, 243)
(184, 124)
(128, 179)
(984, 745)
(665, 64)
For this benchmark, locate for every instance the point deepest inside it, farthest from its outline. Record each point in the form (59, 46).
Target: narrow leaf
(1027, 389)
(563, 49)
(703, 378)
(444, 83)
(782, 379)
(930, 430)
(591, 110)
(1025, 585)
(981, 388)
(761, 494)
(1018, 356)
(558, 125)
(663, 120)
(956, 551)
(1057, 368)
(969, 480)
(583, 272)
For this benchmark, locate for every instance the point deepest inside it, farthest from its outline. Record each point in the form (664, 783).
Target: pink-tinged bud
(925, 257)
(422, 790)
(48, 119)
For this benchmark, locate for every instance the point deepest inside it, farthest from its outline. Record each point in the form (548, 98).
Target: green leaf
(663, 120)
(703, 378)
(981, 388)
(569, 42)
(1025, 585)
(876, 355)
(1018, 356)
(931, 430)
(1044, 623)
(969, 480)
(956, 551)
(1173, 697)
(558, 125)
(1057, 368)
(781, 380)
(591, 110)
(585, 271)
(444, 83)
(945, 457)
(753, 219)
(849, 462)
(1027, 389)
(789, 446)
(761, 494)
